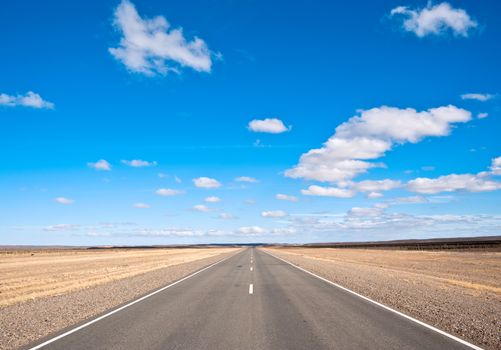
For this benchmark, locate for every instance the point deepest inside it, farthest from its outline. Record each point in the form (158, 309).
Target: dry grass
(30, 274)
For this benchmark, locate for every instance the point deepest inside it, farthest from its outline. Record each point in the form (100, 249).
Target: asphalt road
(263, 304)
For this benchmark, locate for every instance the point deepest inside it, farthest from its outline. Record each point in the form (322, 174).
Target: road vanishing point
(251, 300)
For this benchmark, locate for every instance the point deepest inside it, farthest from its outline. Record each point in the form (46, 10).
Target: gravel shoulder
(458, 292)
(25, 322)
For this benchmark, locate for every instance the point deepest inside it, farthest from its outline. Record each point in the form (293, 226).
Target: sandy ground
(459, 291)
(26, 275)
(50, 290)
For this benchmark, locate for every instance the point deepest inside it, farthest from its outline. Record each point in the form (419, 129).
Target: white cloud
(151, 46)
(251, 230)
(226, 216)
(409, 200)
(64, 200)
(451, 183)
(138, 163)
(30, 99)
(374, 195)
(268, 125)
(246, 179)
(376, 185)
(100, 165)
(61, 227)
(177, 179)
(167, 192)
(201, 208)
(274, 214)
(162, 175)
(250, 201)
(141, 206)
(315, 190)
(496, 166)
(212, 199)
(285, 197)
(435, 20)
(369, 136)
(477, 96)
(357, 211)
(206, 182)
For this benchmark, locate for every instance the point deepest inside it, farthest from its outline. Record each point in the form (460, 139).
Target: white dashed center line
(251, 288)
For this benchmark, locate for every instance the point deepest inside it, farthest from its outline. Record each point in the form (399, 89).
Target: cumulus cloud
(206, 182)
(268, 125)
(64, 200)
(435, 20)
(374, 195)
(369, 136)
(167, 192)
(100, 165)
(141, 206)
(30, 99)
(151, 46)
(496, 166)
(246, 179)
(482, 115)
(212, 199)
(376, 185)
(201, 208)
(139, 163)
(477, 96)
(285, 197)
(452, 183)
(274, 214)
(315, 190)
(409, 200)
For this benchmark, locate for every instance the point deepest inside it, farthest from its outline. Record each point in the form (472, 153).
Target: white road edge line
(251, 288)
(251, 268)
(127, 305)
(459, 340)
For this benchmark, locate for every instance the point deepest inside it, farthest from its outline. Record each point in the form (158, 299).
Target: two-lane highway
(253, 300)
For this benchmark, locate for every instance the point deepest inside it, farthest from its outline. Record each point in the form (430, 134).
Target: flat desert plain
(457, 291)
(44, 290)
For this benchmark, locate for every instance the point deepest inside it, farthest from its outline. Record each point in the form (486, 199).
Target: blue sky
(111, 110)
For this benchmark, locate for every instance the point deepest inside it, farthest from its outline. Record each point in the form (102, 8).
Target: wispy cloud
(201, 208)
(435, 20)
(168, 192)
(206, 182)
(212, 199)
(477, 96)
(246, 179)
(64, 200)
(141, 206)
(321, 191)
(285, 197)
(151, 46)
(268, 125)
(139, 163)
(30, 99)
(274, 214)
(100, 165)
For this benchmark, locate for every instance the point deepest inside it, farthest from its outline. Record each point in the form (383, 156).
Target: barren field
(32, 274)
(43, 291)
(458, 291)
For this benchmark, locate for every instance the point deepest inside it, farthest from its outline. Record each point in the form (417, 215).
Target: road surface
(253, 300)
